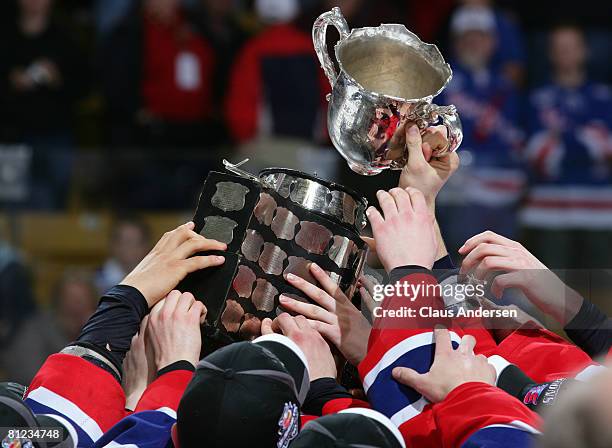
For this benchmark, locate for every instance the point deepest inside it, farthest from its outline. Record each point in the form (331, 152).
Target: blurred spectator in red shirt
(276, 86)
(157, 76)
(426, 19)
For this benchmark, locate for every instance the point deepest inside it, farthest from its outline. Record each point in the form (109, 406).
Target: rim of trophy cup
(398, 32)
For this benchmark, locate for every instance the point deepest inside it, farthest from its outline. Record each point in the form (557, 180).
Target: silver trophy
(388, 78)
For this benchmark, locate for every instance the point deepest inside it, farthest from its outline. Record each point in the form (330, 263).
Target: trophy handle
(450, 119)
(319, 32)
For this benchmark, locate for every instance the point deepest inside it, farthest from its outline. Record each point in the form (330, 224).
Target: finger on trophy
(220, 228)
(280, 309)
(367, 300)
(435, 138)
(300, 267)
(371, 242)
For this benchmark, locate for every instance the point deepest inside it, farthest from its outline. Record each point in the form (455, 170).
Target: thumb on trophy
(414, 142)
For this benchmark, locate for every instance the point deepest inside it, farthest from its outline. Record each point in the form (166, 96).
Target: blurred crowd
(30, 332)
(126, 105)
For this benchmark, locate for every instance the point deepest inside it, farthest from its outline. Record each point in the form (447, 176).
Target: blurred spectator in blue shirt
(109, 14)
(569, 206)
(509, 56)
(488, 185)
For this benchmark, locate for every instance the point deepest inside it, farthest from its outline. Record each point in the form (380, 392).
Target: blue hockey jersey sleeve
(146, 429)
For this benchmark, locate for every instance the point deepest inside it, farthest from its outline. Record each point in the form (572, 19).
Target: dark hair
(566, 24)
(134, 221)
(73, 275)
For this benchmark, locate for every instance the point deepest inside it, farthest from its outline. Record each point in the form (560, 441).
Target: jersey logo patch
(288, 425)
(532, 396)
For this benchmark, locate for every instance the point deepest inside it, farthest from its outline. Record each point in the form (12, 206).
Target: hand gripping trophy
(388, 78)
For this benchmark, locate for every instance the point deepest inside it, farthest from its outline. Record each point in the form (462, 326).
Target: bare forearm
(442, 250)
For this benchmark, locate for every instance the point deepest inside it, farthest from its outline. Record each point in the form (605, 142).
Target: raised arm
(81, 384)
